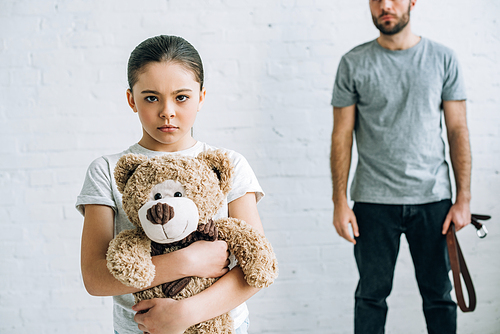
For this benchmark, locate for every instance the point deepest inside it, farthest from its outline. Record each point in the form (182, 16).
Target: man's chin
(391, 29)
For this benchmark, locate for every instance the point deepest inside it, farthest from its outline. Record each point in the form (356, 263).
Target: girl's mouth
(167, 128)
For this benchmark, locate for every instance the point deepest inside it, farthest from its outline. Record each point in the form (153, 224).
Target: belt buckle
(482, 232)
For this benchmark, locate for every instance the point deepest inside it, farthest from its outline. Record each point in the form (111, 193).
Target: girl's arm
(203, 259)
(168, 316)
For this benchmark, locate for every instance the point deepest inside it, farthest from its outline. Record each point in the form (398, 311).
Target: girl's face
(167, 98)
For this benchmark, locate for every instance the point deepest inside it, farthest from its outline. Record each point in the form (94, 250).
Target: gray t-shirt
(398, 97)
(99, 187)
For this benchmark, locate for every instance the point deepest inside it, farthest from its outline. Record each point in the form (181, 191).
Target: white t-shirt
(100, 188)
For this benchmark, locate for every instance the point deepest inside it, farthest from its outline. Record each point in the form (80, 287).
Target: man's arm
(340, 163)
(458, 139)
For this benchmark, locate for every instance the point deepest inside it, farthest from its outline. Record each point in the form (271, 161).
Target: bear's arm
(253, 251)
(129, 259)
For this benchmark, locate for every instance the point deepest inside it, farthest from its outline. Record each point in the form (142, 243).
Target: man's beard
(402, 23)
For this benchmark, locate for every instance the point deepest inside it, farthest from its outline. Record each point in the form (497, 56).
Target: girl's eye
(157, 196)
(178, 194)
(151, 98)
(182, 98)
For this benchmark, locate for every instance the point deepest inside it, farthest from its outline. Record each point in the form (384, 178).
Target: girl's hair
(164, 48)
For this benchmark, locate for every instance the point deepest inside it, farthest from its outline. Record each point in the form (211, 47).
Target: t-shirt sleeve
(344, 88)
(97, 187)
(244, 179)
(453, 83)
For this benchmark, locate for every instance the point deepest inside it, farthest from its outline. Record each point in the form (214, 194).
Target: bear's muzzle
(160, 213)
(169, 219)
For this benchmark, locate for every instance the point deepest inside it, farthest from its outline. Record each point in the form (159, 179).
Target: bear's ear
(220, 163)
(125, 167)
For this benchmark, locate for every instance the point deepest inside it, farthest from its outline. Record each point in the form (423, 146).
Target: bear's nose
(160, 213)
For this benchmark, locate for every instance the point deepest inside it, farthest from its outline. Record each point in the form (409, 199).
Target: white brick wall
(270, 67)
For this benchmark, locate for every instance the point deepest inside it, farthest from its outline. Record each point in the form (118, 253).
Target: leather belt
(458, 265)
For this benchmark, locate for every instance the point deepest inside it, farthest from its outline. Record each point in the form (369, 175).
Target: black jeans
(376, 251)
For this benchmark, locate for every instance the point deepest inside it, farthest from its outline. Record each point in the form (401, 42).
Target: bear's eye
(157, 196)
(178, 194)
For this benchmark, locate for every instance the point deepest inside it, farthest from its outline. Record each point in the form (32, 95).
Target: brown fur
(207, 181)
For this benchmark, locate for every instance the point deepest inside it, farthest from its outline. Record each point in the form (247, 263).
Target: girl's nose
(167, 111)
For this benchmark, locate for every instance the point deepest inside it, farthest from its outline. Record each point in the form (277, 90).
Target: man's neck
(403, 40)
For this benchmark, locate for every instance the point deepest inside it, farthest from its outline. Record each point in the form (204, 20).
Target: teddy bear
(171, 200)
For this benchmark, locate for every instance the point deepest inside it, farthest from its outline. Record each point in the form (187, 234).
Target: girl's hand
(162, 316)
(208, 259)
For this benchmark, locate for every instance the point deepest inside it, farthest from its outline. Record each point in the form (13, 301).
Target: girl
(165, 76)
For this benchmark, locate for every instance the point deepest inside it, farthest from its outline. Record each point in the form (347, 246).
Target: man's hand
(161, 316)
(459, 215)
(342, 217)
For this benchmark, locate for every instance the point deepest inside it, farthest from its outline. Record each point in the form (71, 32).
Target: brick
(4, 78)
(31, 161)
(29, 77)
(45, 212)
(41, 178)
(83, 40)
(22, 26)
(54, 76)
(71, 57)
(10, 59)
(22, 101)
(28, 8)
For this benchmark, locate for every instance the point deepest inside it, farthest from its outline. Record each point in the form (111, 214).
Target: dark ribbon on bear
(208, 232)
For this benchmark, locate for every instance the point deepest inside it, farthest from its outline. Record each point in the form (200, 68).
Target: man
(391, 92)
